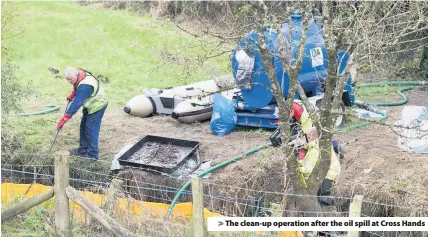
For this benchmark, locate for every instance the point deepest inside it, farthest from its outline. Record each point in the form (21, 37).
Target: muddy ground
(375, 159)
(373, 165)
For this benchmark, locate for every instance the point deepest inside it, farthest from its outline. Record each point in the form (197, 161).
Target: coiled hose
(50, 109)
(410, 86)
(214, 168)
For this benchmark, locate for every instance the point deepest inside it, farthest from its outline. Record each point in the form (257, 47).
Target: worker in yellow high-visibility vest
(87, 93)
(309, 153)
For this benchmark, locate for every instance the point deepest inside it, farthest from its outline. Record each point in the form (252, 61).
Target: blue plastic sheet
(223, 119)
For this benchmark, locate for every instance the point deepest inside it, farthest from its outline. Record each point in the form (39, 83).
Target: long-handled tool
(53, 142)
(49, 152)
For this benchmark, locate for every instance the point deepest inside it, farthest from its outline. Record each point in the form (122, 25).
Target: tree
(12, 91)
(372, 33)
(9, 26)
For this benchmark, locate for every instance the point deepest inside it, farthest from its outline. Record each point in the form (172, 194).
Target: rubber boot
(325, 191)
(79, 152)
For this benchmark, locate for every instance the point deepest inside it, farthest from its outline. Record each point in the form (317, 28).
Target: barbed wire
(5, 178)
(309, 212)
(126, 179)
(171, 189)
(233, 200)
(388, 205)
(272, 192)
(24, 165)
(175, 190)
(80, 158)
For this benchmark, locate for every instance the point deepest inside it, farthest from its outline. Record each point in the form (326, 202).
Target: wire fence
(150, 187)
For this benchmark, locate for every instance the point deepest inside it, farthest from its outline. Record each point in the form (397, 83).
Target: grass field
(133, 52)
(377, 94)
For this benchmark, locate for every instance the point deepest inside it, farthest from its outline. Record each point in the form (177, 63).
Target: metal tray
(159, 153)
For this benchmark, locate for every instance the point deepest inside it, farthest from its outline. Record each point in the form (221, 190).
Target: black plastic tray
(188, 148)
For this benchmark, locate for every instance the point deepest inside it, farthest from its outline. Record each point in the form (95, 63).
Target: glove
(71, 96)
(63, 121)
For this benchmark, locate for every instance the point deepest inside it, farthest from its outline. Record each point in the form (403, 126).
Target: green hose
(221, 165)
(411, 85)
(359, 103)
(50, 109)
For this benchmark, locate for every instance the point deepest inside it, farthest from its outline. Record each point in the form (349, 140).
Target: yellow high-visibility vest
(307, 164)
(98, 98)
(305, 121)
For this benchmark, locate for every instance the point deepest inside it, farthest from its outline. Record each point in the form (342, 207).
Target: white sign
(317, 224)
(317, 57)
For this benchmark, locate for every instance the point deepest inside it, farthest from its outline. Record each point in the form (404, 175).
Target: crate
(159, 153)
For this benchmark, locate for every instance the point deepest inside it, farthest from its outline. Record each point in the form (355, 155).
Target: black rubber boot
(79, 152)
(325, 191)
(327, 200)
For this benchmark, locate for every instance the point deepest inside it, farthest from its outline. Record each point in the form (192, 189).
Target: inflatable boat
(164, 101)
(198, 109)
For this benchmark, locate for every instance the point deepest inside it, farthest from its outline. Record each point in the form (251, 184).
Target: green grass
(377, 94)
(34, 220)
(38, 221)
(134, 52)
(373, 95)
(126, 48)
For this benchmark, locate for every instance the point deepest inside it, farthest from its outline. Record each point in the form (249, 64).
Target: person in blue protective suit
(88, 93)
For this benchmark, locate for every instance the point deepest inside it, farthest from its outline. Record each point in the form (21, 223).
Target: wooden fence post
(276, 211)
(62, 208)
(198, 207)
(355, 211)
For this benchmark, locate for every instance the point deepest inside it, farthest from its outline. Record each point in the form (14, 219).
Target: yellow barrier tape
(11, 194)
